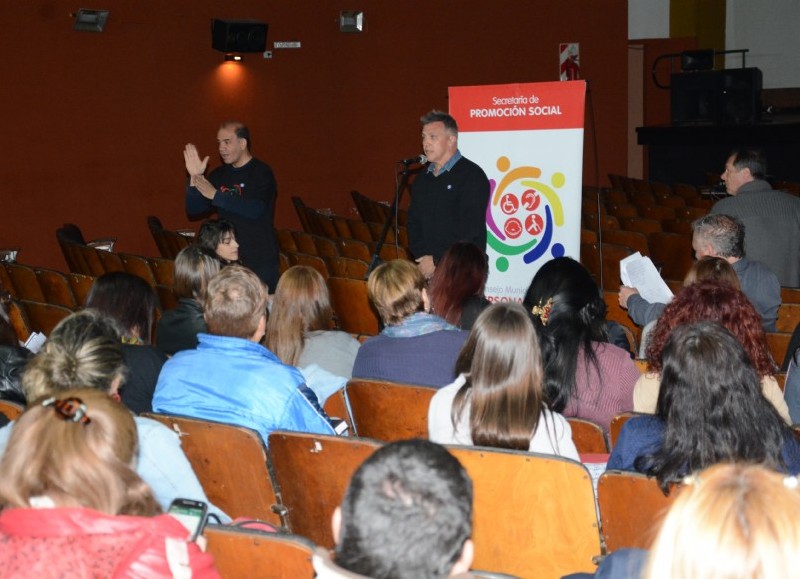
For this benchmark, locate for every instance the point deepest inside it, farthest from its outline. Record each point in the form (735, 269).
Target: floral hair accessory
(543, 311)
(70, 409)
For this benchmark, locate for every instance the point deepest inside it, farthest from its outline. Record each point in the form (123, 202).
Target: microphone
(421, 159)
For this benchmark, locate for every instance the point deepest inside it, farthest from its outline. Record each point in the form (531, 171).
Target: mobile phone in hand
(191, 514)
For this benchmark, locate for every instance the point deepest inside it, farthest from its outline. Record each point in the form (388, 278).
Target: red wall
(95, 123)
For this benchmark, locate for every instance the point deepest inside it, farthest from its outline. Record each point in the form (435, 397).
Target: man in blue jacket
(232, 378)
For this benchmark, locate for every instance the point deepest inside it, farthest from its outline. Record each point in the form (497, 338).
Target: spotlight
(233, 58)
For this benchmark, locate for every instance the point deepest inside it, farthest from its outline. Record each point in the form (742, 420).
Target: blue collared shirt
(447, 166)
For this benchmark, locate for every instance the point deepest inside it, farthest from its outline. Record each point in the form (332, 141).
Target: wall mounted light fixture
(233, 57)
(90, 20)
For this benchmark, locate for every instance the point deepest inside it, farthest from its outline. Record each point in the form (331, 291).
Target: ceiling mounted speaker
(238, 35)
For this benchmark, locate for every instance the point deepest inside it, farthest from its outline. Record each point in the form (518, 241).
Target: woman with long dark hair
(585, 376)
(456, 288)
(219, 237)
(131, 302)
(720, 302)
(497, 399)
(710, 409)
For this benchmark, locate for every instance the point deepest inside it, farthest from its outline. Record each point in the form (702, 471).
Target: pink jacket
(80, 542)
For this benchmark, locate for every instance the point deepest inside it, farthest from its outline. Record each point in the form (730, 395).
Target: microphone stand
(400, 186)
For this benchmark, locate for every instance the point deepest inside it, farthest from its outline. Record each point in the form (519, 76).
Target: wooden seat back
(231, 464)
(673, 252)
(633, 239)
(778, 343)
(285, 240)
(632, 507)
(337, 406)
(588, 437)
(616, 426)
(304, 242)
(615, 313)
(81, 286)
(641, 224)
(352, 306)
(311, 476)
(111, 261)
(389, 411)
(11, 410)
(339, 266)
(24, 283)
(246, 553)
(534, 515)
(56, 288)
(137, 265)
(612, 254)
(355, 249)
(309, 260)
(163, 270)
(18, 318)
(788, 318)
(43, 317)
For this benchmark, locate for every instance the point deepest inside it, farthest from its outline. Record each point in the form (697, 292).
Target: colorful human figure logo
(521, 203)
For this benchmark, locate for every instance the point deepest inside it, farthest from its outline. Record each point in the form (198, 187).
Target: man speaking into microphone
(448, 200)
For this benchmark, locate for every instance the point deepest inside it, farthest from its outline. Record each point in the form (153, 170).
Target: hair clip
(791, 482)
(543, 311)
(70, 409)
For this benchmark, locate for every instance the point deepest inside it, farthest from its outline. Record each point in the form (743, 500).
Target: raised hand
(194, 166)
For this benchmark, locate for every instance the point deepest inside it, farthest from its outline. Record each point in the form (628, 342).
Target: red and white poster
(528, 138)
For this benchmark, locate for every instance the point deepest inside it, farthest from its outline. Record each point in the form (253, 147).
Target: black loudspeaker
(238, 35)
(720, 97)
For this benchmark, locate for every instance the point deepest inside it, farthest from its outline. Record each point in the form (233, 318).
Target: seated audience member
(456, 288)
(791, 390)
(720, 236)
(13, 358)
(407, 513)
(585, 376)
(713, 268)
(230, 377)
(84, 350)
(736, 521)
(73, 504)
(710, 409)
(178, 328)
(710, 300)
(131, 302)
(415, 347)
(219, 237)
(497, 399)
(299, 329)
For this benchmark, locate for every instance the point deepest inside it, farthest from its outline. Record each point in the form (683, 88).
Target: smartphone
(191, 514)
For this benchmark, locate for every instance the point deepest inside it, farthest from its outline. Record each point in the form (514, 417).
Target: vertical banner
(528, 138)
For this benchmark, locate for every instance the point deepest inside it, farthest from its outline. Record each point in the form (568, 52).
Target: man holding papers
(715, 236)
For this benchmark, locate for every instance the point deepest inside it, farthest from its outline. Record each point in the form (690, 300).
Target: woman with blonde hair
(732, 521)
(497, 400)
(68, 488)
(299, 329)
(84, 350)
(415, 347)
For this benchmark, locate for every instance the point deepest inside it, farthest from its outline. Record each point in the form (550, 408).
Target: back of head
(194, 267)
(712, 405)
(504, 381)
(569, 314)
(395, 288)
(407, 513)
(301, 305)
(211, 233)
(78, 449)
(733, 521)
(460, 274)
(83, 350)
(236, 300)
(753, 159)
(719, 302)
(712, 268)
(127, 299)
(723, 232)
